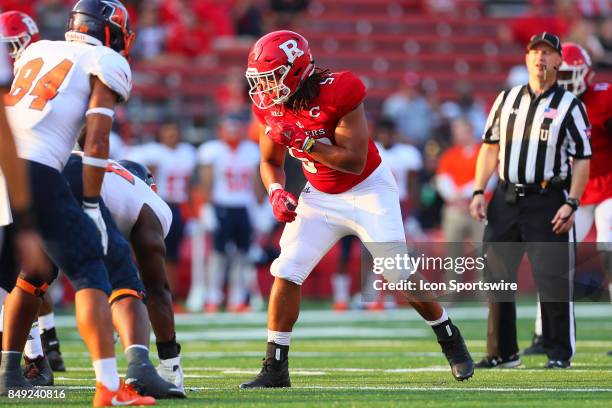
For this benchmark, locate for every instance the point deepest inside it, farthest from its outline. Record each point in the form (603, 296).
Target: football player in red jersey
(320, 118)
(575, 75)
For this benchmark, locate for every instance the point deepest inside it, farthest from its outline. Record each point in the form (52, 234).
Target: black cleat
(536, 348)
(51, 347)
(38, 371)
(146, 380)
(273, 374)
(12, 380)
(456, 352)
(557, 364)
(498, 362)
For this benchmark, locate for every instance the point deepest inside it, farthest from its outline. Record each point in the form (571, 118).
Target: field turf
(362, 359)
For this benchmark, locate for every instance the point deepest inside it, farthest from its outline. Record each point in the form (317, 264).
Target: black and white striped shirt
(537, 135)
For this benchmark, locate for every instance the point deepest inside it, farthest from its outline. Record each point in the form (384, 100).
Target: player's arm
(485, 167)
(147, 239)
(14, 170)
(96, 148)
(206, 181)
(273, 177)
(350, 152)
(28, 243)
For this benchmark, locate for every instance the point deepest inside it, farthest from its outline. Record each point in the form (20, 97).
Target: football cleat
(239, 308)
(498, 362)
(38, 371)
(51, 347)
(340, 307)
(173, 375)
(13, 380)
(537, 347)
(557, 364)
(126, 395)
(457, 354)
(144, 378)
(273, 374)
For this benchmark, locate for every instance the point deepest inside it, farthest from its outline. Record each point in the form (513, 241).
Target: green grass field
(362, 359)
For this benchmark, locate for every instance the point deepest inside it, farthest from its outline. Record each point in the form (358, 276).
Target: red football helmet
(279, 62)
(575, 70)
(19, 30)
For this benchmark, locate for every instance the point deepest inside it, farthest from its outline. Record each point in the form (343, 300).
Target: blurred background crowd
(432, 69)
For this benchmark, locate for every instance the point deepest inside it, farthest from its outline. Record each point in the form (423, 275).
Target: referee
(531, 133)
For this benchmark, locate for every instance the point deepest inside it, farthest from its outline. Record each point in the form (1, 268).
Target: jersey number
(45, 88)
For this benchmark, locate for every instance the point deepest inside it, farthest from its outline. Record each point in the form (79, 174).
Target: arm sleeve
(113, 70)
(349, 93)
(578, 131)
(491, 130)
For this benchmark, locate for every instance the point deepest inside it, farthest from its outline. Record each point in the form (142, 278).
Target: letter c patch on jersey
(312, 111)
(290, 48)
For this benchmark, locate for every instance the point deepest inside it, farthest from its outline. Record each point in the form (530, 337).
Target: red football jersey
(598, 102)
(340, 93)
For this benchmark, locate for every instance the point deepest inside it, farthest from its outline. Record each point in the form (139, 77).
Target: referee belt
(522, 190)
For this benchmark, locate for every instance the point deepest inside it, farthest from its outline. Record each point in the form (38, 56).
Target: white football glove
(93, 211)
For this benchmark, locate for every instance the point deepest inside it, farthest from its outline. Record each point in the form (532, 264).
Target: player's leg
(150, 249)
(48, 335)
(130, 317)
(217, 261)
(173, 243)
(341, 280)
(303, 244)
(240, 264)
(378, 223)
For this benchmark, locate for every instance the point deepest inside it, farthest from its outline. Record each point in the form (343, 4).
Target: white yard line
(407, 389)
(582, 311)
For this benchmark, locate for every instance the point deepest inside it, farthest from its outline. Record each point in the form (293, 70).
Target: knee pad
(122, 293)
(288, 271)
(32, 285)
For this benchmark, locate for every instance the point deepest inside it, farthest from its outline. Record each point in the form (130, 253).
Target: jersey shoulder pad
(349, 91)
(259, 114)
(112, 69)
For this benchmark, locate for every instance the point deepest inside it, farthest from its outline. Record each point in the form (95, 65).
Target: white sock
(170, 362)
(136, 346)
(1, 320)
(280, 338)
(440, 320)
(342, 287)
(106, 373)
(33, 347)
(46, 322)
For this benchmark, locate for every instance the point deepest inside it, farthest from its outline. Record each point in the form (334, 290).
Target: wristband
(95, 162)
(477, 192)
(273, 187)
(573, 202)
(101, 111)
(24, 219)
(91, 202)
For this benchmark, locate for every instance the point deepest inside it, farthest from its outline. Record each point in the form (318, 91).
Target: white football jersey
(5, 209)
(233, 171)
(401, 159)
(47, 103)
(173, 168)
(125, 194)
(5, 79)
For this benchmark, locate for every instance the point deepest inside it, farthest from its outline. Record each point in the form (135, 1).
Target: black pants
(551, 257)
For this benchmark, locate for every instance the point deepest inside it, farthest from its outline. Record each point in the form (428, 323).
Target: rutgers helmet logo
(290, 48)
